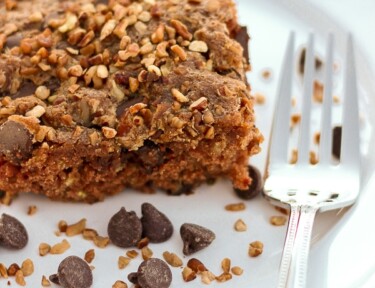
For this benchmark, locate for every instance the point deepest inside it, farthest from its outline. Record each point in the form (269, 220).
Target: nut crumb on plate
(255, 248)
(240, 225)
(278, 220)
(235, 207)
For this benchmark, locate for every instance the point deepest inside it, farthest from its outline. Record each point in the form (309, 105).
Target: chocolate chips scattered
(125, 229)
(152, 273)
(156, 226)
(73, 272)
(336, 141)
(195, 238)
(12, 233)
(15, 141)
(255, 187)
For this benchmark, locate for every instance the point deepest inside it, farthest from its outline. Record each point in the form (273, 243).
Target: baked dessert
(98, 96)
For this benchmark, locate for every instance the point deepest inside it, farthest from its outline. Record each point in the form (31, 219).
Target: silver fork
(306, 188)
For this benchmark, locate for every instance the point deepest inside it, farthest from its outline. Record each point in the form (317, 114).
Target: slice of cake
(98, 96)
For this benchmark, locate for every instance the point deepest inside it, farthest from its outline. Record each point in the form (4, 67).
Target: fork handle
(293, 269)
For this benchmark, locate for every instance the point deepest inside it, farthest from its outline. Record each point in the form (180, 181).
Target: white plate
(338, 246)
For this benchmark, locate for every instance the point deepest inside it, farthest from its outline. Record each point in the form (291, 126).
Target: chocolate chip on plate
(152, 273)
(74, 272)
(156, 226)
(195, 238)
(254, 188)
(133, 277)
(336, 141)
(54, 279)
(12, 232)
(15, 141)
(125, 229)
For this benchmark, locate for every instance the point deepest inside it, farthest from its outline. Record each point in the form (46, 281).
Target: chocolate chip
(14, 40)
(73, 272)
(27, 88)
(255, 187)
(15, 141)
(195, 238)
(156, 226)
(154, 273)
(12, 232)
(52, 84)
(125, 229)
(133, 277)
(54, 279)
(336, 141)
(184, 188)
(243, 38)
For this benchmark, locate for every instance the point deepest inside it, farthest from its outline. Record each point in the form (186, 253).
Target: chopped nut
(235, 207)
(45, 282)
(240, 225)
(198, 46)
(107, 29)
(140, 27)
(102, 71)
(146, 253)
(3, 271)
(117, 92)
(133, 84)
(317, 137)
(60, 248)
(27, 267)
(180, 52)
(266, 74)
(255, 248)
(20, 280)
(181, 29)
(89, 36)
(125, 41)
(196, 265)
(294, 158)
(147, 48)
(318, 91)
(179, 96)
(89, 234)
(207, 277)
(108, 132)
(224, 277)
(37, 111)
(70, 23)
(172, 259)
(132, 254)
(12, 269)
(31, 210)
(177, 122)
(208, 117)
(313, 158)
(188, 274)
(336, 99)
(76, 228)
(145, 16)
(132, 50)
(295, 119)
(278, 220)
(259, 98)
(120, 284)
(282, 210)
(101, 241)
(237, 270)
(36, 17)
(161, 50)
(75, 71)
(42, 92)
(123, 262)
(225, 265)
(90, 255)
(62, 225)
(199, 104)
(44, 249)
(154, 69)
(158, 35)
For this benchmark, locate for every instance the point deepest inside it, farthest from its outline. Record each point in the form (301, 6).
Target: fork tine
(304, 134)
(280, 127)
(326, 132)
(350, 123)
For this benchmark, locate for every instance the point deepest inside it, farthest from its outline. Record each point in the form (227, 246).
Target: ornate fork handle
(293, 270)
